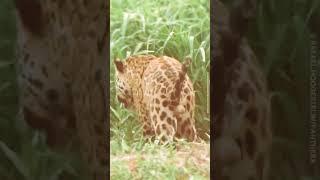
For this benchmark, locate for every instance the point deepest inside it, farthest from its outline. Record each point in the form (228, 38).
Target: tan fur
(161, 92)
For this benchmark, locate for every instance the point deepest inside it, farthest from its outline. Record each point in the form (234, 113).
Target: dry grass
(192, 156)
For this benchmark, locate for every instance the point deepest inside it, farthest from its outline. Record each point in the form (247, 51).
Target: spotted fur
(159, 89)
(61, 50)
(242, 117)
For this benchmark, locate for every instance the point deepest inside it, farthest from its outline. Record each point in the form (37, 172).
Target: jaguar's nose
(122, 101)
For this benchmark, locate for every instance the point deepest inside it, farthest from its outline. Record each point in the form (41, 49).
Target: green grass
(178, 29)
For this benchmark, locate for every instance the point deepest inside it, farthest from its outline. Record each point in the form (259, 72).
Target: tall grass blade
(14, 158)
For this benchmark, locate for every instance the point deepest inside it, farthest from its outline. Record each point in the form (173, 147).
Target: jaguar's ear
(119, 65)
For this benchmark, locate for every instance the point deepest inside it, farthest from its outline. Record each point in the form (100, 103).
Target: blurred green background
(281, 35)
(23, 151)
